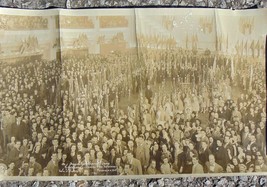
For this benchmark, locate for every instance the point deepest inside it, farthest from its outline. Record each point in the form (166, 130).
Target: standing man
(135, 164)
(52, 165)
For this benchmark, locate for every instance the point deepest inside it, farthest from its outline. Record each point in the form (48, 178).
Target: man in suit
(221, 154)
(52, 165)
(100, 164)
(142, 152)
(135, 164)
(204, 152)
(127, 170)
(261, 164)
(8, 121)
(131, 147)
(212, 166)
(197, 167)
(151, 170)
(119, 147)
(37, 168)
(53, 148)
(14, 154)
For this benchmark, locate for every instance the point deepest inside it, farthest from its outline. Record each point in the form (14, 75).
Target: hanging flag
(257, 47)
(217, 43)
(232, 69)
(252, 47)
(214, 65)
(241, 48)
(263, 48)
(246, 47)
(196, 41)
(251, 78)
(193, 41)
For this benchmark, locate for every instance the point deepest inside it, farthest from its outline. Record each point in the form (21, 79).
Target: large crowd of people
(159, 112)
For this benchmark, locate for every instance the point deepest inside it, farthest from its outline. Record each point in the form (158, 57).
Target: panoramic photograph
(151, 92)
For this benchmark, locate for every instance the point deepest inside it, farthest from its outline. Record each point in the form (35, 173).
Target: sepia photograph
(132, 92)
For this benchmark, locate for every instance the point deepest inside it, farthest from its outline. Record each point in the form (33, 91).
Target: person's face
(123, 133)
(252, 126)
(235, 161)
(92, 153)
(252, 138)
(97, 148)
(18, 144)
(153, 164)
(99, 155)
(164, 148)
(54, 157)
(118, 161)
(257, 168)
(87, 156)
(219, 143)
(45, 173)
(248, 158)
(260, 160)
(140, 140)
(80, 145)
(165, 160)
(104, 146)
(126, 168)
(25, 142)
(242, 168)
(12, 165)
(89, 145)
(228, 169)
(68, 140)
(194, 160)
(129, 156)
(74, 135)
(130, 143)
(32, 160)
(64, 156)
(212, 159)
(204, 144)
(55, 142)
(191, 146)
